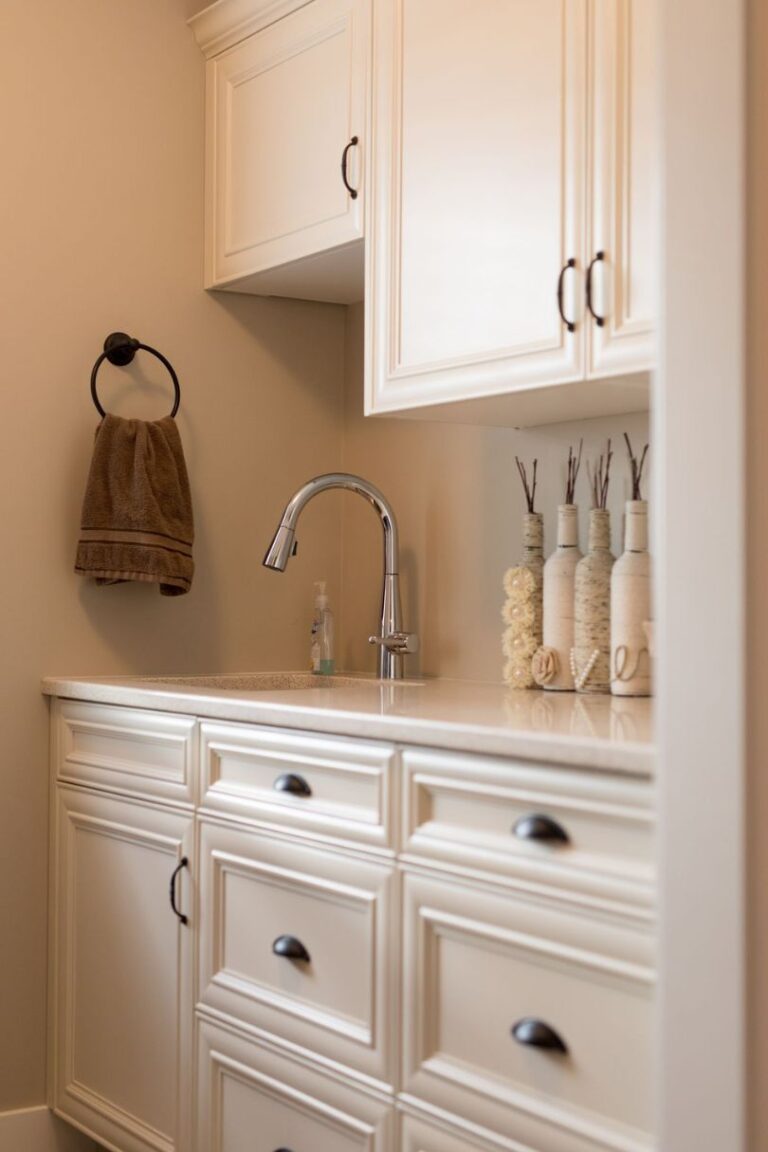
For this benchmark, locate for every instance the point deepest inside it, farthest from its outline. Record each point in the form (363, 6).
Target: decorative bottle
(552, 667)
(631, 608)
(591, 655)
(533, 560)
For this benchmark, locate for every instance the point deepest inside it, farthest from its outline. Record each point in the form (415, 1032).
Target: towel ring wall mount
(120, 349)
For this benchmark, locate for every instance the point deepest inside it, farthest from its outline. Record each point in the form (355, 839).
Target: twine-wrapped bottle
(554, 661)
(631, 608)
(533, 559)
(591, 653)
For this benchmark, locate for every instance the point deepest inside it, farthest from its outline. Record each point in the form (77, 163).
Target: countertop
(601, 732)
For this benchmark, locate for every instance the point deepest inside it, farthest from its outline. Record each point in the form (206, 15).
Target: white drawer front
(419, 1135)
(256, 890)
(344, 786)
(126, 750)
(253, 1100)
(477, 964)
(474, 812)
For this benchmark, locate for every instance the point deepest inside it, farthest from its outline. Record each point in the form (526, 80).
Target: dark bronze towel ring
(120, 349)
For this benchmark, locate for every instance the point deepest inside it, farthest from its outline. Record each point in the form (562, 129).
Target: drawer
(476, 964)
(256, 890)
(596, 835)
(322, 785)
(417, 1135)
(251, 1099)
(125, 750)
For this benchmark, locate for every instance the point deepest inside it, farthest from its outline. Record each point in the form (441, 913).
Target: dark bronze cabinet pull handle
(599, 320)
(344, 156)
(560, 283)
(291, 948)
(183, 863)
(537, 827)
(290, 782)
(536, 1034)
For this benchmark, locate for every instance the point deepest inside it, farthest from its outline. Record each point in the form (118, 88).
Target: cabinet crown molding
(227, 22)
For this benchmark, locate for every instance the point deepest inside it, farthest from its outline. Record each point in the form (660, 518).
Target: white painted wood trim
(699, 486)
(227, 22)
(38, 1130)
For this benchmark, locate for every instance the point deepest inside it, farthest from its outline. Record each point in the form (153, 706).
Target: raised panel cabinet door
(477, 199)
(121, 973)
(282, 108)
(253, 1099)
(624, 192)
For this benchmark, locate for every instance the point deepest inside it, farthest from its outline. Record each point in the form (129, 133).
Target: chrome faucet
(393, 642)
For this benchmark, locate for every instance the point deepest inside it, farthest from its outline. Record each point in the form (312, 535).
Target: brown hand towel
(137, 513)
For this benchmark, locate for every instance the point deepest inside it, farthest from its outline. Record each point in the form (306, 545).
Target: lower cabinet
(121, 971)
(253, 1099)
(224, 983)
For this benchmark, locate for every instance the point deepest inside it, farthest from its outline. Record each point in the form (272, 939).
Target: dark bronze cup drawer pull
(290, 782)
(534, 826)
(536, 1034)
(291, 948)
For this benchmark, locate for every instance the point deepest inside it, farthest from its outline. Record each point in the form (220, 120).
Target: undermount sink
(270, 681)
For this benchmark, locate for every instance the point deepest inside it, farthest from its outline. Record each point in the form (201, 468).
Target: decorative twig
(530, 490)
(637, 468)
(601, 478)
(574, 464)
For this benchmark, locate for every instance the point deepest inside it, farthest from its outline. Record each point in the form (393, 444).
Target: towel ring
(120, 349)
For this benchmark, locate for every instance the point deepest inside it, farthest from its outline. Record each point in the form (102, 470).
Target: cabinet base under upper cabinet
(528, 408)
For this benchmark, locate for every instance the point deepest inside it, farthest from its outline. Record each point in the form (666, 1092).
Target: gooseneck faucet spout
(393, 642)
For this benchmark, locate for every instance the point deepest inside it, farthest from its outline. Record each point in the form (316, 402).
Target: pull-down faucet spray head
(281, 549)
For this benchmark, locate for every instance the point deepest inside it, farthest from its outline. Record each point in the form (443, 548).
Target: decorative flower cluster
(519, 640)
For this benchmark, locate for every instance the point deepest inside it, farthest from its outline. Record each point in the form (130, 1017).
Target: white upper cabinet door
(624, 194)
(121, 975)
(284, 106)
(477, 196)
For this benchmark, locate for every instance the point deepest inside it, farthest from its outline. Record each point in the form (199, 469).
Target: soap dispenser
(321, 652)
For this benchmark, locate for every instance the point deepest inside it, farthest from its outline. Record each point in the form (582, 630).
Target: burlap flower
(544, 665)
(519, 583)
(517, 673)
(517, 645)
(520, 613)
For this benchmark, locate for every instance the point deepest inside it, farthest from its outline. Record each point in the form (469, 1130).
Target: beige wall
(459, 503)
(757, 571)
(101, 115)
(101, 208)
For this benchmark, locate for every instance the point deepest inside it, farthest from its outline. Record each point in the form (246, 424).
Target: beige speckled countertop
(561, 728)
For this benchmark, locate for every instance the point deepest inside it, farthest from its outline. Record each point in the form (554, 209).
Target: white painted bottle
(631, 607)
(559, 577)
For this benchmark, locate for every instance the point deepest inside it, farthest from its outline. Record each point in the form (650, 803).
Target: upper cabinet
(510, 250)
(500, 157)
(624, 192)
(286, 135)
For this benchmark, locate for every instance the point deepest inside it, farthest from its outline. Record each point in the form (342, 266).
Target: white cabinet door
(253, 1099)
(477, 199)
(282, 107)
(121, 971)
(624, 185)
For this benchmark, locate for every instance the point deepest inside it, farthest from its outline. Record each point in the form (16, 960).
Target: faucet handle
(402, 643)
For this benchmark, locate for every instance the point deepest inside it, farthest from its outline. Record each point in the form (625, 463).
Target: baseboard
(37, 1130)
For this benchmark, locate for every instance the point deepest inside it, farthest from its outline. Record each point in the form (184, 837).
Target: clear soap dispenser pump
(321, 652)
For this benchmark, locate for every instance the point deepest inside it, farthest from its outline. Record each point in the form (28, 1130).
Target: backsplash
(460, 504)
